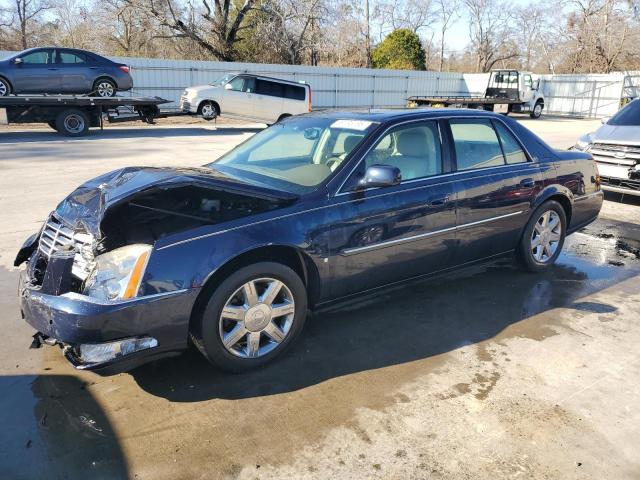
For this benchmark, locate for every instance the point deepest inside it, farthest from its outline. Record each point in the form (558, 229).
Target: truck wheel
(537, 110)
(253, 316)
(5, 88)
(72, 123)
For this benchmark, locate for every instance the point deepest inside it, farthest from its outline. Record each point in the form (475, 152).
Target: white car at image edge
(248, 97)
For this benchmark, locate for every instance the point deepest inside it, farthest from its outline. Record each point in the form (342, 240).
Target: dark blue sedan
(62, 70)
(136, 264)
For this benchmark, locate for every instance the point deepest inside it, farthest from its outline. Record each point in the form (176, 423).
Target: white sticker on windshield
(352, 124)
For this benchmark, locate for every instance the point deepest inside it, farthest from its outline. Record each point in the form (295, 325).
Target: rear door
(268, 100)
(384, 235)
(38, 73)
(76, 71)
(496, 181)
(295, 99)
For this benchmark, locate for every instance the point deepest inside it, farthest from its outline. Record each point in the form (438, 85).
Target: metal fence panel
(576, 95)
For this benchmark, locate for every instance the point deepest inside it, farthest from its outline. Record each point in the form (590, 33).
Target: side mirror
(605, 120)
(17, 61)
(380, 176)
(228, 86)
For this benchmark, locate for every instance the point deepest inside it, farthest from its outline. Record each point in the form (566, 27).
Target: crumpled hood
(627, 135)
(84, 208)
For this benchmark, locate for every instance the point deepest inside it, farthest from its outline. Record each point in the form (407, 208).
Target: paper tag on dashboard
(352, 124)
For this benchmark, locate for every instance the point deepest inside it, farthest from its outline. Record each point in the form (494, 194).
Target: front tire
(537, 110)
(543, 237)
(5, 88)
(72, 123)
(253, 316)
(208, 110)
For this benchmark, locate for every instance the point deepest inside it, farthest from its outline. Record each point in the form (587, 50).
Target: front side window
(476, 144)
(296, 155)
(414, 149)
(528, 82)
(41, 57)
(237, 84)
(68, 57)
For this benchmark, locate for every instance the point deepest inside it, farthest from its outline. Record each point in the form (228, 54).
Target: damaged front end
(86, 283)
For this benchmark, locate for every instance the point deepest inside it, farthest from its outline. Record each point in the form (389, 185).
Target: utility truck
(507, 91)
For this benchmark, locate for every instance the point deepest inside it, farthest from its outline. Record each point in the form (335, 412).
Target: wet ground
(486, 373)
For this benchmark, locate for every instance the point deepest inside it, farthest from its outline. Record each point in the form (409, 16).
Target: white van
(248, 97)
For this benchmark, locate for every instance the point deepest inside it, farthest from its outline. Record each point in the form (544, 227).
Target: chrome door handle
(439, 201)
(527, 182)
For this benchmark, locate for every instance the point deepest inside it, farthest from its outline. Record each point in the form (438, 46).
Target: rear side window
(294, 92)
(68, 57)
(476, 144)
(513, 153)
(272, 89)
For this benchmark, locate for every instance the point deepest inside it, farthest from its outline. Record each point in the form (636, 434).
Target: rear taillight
(309, 98)
(124, 68)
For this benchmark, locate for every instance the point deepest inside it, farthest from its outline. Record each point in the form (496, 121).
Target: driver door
(237, 100)
(527, 88)
(38, 73)
(383, 235)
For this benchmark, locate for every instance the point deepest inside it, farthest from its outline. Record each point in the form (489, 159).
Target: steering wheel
(333, 162)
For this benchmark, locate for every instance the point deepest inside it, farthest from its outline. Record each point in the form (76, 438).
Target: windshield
(629, 116)
(296, 155)
(223, 80)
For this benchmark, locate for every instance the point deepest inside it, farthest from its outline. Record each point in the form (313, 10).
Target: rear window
(272, 89)
(294, 92)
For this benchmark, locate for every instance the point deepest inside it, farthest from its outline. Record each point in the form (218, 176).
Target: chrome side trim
(599, 193)
(375, 246)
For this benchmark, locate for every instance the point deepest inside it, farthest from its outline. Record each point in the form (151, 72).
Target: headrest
(412, 143)
(351, 142)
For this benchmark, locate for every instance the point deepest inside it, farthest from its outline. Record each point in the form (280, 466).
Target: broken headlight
(117, 274)
(584, 142)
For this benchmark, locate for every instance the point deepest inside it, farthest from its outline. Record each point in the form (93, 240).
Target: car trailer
(73, 115)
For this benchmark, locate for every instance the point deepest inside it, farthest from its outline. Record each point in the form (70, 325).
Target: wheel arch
(558, 193)
(6, 79)
(104, 77)
(288, 255)
(215, 104)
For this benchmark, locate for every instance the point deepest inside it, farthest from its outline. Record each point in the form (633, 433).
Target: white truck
(507, 91)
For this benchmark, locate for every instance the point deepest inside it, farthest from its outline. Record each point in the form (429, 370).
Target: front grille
(618, 154)
(620, 183)
(57, 236)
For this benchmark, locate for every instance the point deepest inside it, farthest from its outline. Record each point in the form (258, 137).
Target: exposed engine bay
(152, 215)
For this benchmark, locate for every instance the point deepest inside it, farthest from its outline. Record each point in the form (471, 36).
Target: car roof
(393, 114)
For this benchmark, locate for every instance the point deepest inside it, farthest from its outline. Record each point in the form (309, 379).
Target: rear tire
(543, 237)
(72, 123)
(103, 87)
(5, 88)
(255, 327)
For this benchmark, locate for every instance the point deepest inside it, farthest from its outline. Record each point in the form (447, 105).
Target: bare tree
(214, 27)
(24, 14)
(447, 11)
(490, 36)
(416, 15)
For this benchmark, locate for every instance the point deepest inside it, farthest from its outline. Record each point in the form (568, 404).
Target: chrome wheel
(256, 318)
(208, 110)
(4, 89)
(546, 236)
(74, 123)
(105, 89)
